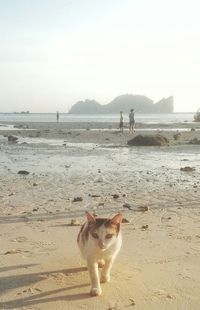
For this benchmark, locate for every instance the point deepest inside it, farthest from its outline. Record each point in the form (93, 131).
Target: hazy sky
(56, 52)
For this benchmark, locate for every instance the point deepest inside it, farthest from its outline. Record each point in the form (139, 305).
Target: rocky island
(141, 104)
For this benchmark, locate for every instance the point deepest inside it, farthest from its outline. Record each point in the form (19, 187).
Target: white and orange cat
(99, 241)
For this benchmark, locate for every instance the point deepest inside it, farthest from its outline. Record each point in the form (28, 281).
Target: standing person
(131, 120)
(57, 116)
(121, 125)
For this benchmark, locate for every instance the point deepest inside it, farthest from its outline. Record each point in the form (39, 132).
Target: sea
(166, 118)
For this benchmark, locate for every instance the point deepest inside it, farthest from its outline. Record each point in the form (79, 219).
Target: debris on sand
(76, 199)
(94, 195)
(115, 196)
(132, 302)
(35, 209)
(127, 206)
(11, 252)
(75, 222)
(15, 251)
(143, 208)
(145, 227)
(21, 126)
(125, 221)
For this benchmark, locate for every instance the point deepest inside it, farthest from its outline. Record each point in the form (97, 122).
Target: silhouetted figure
(131, 120)
(57, 116)
(121, 123)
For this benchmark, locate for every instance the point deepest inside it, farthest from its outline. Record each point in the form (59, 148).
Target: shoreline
(101, 133)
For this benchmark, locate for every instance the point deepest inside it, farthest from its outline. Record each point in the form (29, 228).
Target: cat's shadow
(37, 297)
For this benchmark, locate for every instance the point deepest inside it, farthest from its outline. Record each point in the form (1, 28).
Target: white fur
(91, 251)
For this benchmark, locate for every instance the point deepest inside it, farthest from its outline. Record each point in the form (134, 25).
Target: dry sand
(158, 266)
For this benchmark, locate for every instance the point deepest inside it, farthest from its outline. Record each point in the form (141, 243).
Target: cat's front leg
(105, 274)
(94, 277)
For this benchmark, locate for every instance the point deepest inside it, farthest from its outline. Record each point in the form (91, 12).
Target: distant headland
(141, 104)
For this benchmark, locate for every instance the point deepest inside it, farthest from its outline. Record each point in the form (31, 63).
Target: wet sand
(158, 266)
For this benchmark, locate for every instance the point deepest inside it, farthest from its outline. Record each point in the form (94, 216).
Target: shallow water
(86, 158)
(64, 117)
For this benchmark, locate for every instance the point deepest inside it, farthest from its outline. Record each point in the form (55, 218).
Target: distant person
(57, 116)
(121, 122)
(131, 120)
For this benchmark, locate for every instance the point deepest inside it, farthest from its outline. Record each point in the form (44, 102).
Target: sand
(40, 265)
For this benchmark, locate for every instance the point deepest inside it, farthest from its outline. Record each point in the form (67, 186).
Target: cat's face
(103, 231)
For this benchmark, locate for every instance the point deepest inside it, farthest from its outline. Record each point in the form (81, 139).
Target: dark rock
(177, 136)
(149, 140)
(194, 141)
(12, 139)
(187, 169)
(24, 172)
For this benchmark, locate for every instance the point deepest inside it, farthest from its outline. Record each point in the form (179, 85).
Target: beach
(76, 167)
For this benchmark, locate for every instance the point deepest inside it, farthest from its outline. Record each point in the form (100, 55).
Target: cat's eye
(109, 236)
(95, 236)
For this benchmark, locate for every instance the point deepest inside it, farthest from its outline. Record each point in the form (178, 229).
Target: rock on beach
(149, 140)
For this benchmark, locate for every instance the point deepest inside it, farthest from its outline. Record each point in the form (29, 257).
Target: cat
(99, 241)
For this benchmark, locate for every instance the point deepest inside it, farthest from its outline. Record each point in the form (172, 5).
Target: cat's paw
(105, 278)
(96, 291)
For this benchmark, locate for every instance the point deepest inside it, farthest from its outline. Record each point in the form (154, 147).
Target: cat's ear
(116, 219)
(90, 217)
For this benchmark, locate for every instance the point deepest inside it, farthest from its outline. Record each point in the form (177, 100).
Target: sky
(54, 53)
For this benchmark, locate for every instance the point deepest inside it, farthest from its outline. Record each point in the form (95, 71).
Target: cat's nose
(101, 244)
